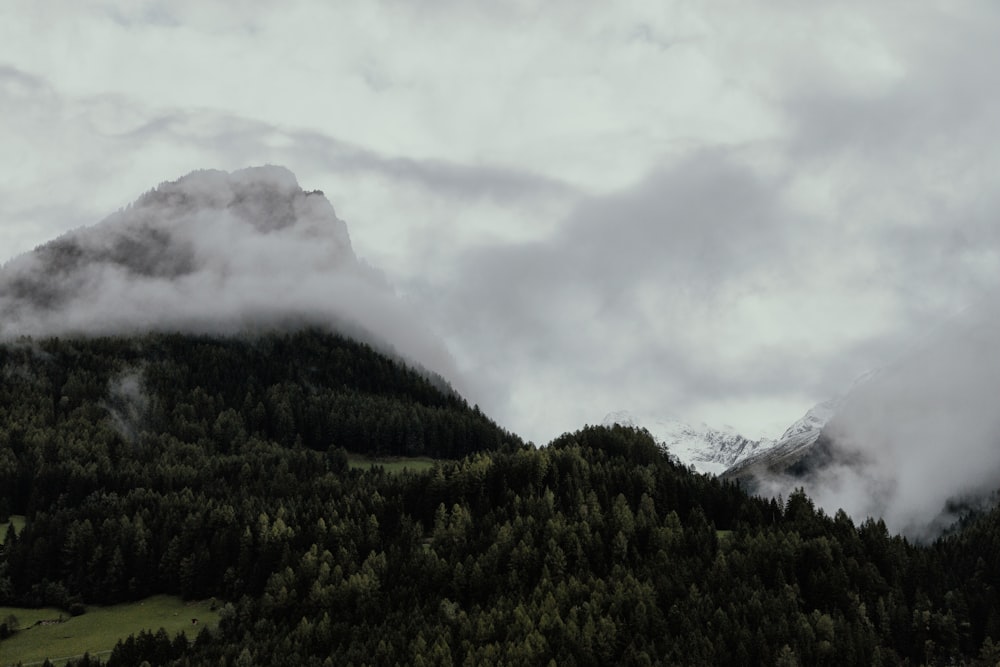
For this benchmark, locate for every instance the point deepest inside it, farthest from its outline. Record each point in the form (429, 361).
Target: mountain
(723, 451)
(228, 460)
(171, 397)
(795, 443)
(708, 450)
(799, 446)
(212, 252)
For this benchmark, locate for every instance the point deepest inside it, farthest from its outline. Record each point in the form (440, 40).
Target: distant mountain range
(724, 451)
(916, 442)
(707, 449)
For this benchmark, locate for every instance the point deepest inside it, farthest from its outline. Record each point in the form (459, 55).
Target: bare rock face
(194, 225)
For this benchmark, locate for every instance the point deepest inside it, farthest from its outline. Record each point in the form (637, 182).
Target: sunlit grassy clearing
(391, 465)
(99, 629)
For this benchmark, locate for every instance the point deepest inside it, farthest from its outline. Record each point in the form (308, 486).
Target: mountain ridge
(707, 449)
(724, 451)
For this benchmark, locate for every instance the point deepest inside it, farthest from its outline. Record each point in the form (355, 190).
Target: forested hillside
(217, 467)
(104, 412)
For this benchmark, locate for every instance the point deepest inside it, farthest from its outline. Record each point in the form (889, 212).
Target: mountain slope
(159, 395)
(593, 550)
(794, 444)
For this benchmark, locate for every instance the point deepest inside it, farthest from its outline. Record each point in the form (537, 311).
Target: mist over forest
(208, 395)
(214, 252)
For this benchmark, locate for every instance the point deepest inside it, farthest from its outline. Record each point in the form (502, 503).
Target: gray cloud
(935, 99)
(628, 295)
(705, 220)
(463, 181)
(689, 229)
(17, 81)
(234, 135)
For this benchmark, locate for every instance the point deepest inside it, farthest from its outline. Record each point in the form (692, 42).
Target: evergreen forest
(218, 467)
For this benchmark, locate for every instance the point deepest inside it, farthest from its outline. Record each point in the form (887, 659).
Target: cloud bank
(212, 252)
(921, 440)
(916, 443)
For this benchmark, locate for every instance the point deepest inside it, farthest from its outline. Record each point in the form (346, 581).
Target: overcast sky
(718, 211)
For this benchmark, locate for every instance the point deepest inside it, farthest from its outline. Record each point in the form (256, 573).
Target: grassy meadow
(391, 465)
(97, 631)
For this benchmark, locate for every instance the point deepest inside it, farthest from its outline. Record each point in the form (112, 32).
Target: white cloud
(923, 436)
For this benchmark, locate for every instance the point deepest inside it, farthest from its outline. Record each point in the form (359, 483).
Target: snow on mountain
(799, 438)
(807, 429)
(915, 442)
(721, 451)
(709, 450)
(796, 439)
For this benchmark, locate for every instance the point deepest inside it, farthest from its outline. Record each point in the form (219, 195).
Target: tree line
(143, 467)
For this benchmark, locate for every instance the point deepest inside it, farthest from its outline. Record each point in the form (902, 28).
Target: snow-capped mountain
(709, 450)
(805, 431)
(795, 441)
(798, 441)
(723, 451)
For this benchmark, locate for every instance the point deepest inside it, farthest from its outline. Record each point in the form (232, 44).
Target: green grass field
(97, 631)
(17, 520)
(391, 465)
